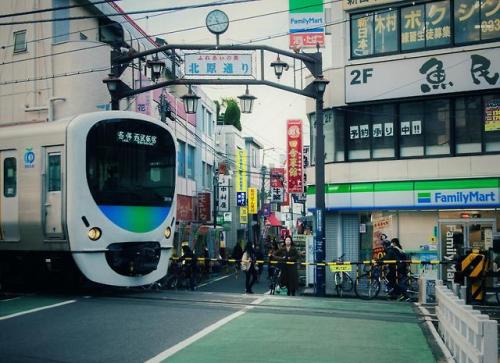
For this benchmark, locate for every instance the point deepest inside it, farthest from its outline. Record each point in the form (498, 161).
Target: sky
(267, 122)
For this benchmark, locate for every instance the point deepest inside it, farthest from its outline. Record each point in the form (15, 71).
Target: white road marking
(14, 298)
(214, 280)
(37, 309)
(209, 329)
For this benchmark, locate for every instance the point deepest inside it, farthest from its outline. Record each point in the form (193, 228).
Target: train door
(53, 191)
(9, 196)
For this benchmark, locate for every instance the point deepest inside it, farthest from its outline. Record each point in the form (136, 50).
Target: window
(386, 31)
(209, 176)
(333, 129)
(190, 162)
(468, 125)
(411, 138)
(9, 177)
(383, 118)
(203, 119)
(424, 25)
(359, 134)
(129, 162)
(362, 35)
(210, 121)
(492, 122)
(20, 41)
(54, 173)
(204, 174)
(60, 28)
(436, 127)
(181, 159)
(413, 27)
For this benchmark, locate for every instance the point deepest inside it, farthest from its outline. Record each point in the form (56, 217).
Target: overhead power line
(99, 16)
(38, 11)
(185, 30)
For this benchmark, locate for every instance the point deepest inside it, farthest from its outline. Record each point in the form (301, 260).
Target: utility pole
(262, 201)
(216, 201)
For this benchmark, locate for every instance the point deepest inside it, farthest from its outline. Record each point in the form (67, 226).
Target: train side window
(9, 177)
(54, 173)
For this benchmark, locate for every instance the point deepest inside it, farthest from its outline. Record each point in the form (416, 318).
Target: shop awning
(273, 221)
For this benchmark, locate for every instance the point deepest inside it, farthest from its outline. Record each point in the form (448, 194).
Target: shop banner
(306, 24)
(277, 185)
(492, 116)
(204, 212)
(243, 215)
(185, 209)
(423, 76)
(223, 200)
(431, 194)
(294, 156)
(382, 225)
(241, 171)
(252, 200)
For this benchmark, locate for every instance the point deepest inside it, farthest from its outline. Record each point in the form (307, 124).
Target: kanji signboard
(294, 156)
(241, 199)
(223, 199)
(241, 171)
(220, 64)
(306, 23)
(252, 200)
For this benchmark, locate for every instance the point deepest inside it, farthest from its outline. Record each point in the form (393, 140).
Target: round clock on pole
(217, 22)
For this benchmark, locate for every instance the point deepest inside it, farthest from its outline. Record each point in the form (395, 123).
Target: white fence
(469, 335)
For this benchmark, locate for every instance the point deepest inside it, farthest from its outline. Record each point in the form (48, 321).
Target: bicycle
(342, 280)
(367, 285)
(274, 280)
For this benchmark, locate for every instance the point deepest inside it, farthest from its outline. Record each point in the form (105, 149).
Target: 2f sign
(360, 76)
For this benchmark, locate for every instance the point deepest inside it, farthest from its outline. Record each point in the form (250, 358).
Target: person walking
(289, 274)
(248, 265)
(188, 263)
(401, 269)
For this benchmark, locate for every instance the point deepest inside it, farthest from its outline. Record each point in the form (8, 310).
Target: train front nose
(133, 258)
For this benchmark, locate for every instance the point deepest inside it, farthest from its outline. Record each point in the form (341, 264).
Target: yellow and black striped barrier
(474, 266)
(324, 263)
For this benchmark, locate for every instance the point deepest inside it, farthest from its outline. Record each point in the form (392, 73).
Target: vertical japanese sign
(294, 156)
(241, 171)
(306, 23)
(252, 200)
(243, 215)
(223, 199)
(381, 225)
(204, 207)
(277, 185)
(492, 116)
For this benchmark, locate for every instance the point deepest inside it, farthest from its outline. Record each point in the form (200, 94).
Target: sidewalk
(306, 329)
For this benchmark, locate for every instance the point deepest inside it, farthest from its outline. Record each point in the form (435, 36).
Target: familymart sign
(435, 194)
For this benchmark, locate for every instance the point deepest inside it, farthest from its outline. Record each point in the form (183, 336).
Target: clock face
(217, 21)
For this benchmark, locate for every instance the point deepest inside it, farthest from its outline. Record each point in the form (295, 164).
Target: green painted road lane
(316, 330)
(26, 303)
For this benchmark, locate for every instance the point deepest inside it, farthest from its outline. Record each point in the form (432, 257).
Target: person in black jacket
(248, 265)
(188, 262)
(288, 256)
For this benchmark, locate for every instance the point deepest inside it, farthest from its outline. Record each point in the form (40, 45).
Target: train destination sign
(128, 137)
(218, 64)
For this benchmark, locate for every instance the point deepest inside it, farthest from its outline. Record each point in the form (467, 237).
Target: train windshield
(130, 162)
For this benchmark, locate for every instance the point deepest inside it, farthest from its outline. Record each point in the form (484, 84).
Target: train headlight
(94, 233)
(168, 232)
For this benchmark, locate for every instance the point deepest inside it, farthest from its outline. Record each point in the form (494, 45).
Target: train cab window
(54, 172)
(131, 163)
(9, 177)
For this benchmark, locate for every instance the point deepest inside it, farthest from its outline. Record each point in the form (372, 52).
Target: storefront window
(492, 122)
(490, 19)
(181, 159)
(466, 21)
(362, 35)
(383, 119)
(411, 137)
(437, 32)
(437, 127)
(359, 134)
(468, 125)
(413, 27)
(386, 31)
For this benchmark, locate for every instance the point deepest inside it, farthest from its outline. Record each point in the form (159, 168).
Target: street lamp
(112, 83)
(320, 83)
(246, 102)
(190, 101)
(156, 66)
(279, 66)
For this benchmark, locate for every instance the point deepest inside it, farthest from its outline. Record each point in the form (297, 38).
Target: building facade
(412, 127)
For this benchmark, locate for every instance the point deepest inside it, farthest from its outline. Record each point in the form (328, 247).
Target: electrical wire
(174, 32)
(54, 9)
(100, 16)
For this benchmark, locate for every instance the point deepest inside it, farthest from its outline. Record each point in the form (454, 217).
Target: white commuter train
(97, 189)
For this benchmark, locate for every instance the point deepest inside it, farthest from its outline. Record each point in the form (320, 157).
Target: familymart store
(433, 219)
